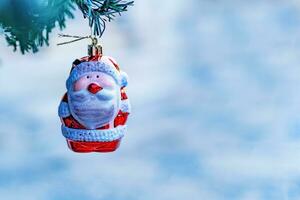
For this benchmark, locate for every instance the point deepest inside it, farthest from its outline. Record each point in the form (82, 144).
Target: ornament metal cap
(94, 48)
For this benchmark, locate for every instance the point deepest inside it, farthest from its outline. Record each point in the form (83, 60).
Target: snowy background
(214, 87)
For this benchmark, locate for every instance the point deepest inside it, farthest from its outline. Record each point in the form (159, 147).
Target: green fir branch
(99, 12)
(26, 24)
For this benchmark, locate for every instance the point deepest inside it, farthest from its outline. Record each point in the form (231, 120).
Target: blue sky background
(214, 87)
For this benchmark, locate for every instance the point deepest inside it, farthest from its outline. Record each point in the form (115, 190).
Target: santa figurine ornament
(95, 108)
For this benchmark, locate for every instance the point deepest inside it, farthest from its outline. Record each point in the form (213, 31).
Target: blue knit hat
(96, 66)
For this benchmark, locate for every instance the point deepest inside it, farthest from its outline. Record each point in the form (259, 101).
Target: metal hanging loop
(94, 49)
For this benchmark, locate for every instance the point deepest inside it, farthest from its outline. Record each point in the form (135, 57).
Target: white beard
(94, 110)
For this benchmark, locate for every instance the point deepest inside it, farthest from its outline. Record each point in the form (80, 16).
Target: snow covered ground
(214, 87)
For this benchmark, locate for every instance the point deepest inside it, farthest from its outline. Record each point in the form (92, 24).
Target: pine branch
(26, 24)
(100, 11)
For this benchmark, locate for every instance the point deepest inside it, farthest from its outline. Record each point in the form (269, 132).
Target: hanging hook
(78, 38)
(94, 49)
(94, 40)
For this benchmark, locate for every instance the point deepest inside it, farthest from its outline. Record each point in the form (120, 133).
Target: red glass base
(87, 147)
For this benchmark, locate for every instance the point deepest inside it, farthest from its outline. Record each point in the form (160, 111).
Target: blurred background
(215, 107)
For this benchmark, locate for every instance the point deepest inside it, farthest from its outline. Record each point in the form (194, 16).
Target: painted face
(94, 100)
(101, 79)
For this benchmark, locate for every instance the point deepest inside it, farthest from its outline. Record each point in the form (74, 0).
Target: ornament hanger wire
(78, 38)
(94, 49)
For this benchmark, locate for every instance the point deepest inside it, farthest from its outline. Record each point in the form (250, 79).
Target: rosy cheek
(105, 82)
(80, 84)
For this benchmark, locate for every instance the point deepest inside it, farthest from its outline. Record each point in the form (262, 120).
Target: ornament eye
(87, 76)
(97, 76)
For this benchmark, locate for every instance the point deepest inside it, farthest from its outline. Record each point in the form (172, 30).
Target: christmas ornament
(95, 108)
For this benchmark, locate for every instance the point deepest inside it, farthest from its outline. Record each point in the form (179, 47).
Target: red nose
(94, 88)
